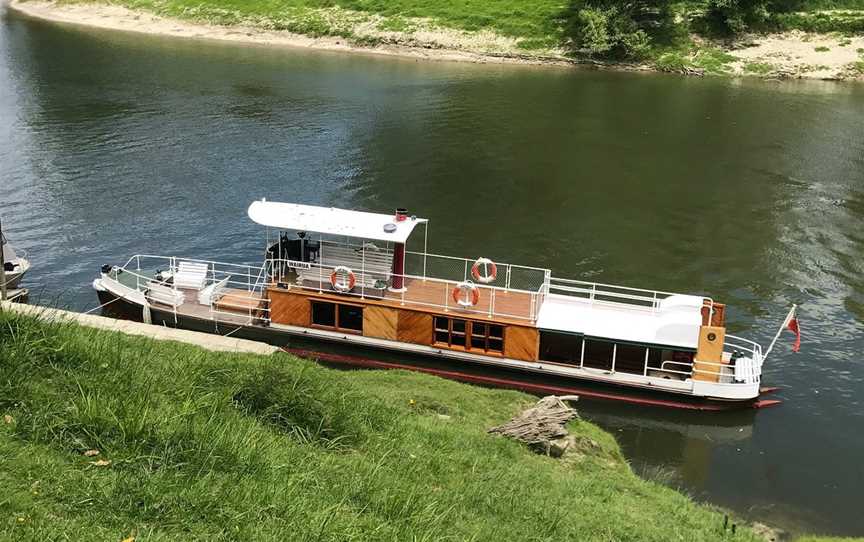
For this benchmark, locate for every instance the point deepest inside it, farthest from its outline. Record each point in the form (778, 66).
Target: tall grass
(222, 446)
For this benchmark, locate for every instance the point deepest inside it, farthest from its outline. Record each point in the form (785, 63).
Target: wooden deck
(234, 306)
(433, 297)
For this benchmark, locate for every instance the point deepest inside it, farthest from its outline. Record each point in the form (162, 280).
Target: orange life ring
(489, 266)
(341, 286)
(459, 297)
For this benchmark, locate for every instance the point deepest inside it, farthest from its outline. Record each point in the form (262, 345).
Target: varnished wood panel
(233, 300)
(710, 350)
(414, 327)
(521, 343)
(380, 322)
(289, 308)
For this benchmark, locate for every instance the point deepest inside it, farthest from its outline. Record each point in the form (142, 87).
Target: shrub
(610, 31)
(760, 68)
(736, 16)
(672, 62)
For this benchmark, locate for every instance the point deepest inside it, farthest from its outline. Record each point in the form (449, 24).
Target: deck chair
(212, 293)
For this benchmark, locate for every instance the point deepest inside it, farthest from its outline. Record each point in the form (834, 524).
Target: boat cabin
(350, 272)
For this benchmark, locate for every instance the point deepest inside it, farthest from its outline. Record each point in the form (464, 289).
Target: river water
(752, 192)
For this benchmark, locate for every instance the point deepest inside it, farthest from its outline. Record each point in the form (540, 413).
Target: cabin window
(487, 337)
(324, 314)
(560, 347)
(337, 316)
(469, 335)
(598, 354)
(351, 317)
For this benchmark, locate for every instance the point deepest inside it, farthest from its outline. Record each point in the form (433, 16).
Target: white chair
(212, 293)
(191, 275)
(164, 294)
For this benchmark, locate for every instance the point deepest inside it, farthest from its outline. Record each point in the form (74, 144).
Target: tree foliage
(606, 28)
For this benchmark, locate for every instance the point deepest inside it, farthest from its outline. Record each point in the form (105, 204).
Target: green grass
(711, 60)
(535, 20)
(846, 22)
(218, 446)
(821, 49)
(758, 68)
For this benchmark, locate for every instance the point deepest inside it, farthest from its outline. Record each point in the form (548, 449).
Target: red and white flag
(792, 325)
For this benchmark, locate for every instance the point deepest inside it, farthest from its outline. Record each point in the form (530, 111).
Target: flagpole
(779, 331)
(2, 266)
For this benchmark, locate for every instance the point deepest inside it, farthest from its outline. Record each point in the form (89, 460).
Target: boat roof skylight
(333, 221)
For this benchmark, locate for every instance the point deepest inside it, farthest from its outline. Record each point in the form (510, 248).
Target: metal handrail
(596, 288)
(470, 261)
(323, 275)
(255, 273)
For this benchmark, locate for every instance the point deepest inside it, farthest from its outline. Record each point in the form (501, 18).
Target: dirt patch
(800, 55)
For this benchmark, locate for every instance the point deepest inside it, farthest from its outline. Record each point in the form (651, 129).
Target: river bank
(792, 54)
(161, 439)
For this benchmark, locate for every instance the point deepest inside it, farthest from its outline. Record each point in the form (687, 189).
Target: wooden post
(2, 265)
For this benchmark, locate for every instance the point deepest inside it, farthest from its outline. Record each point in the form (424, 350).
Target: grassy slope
(229, 446)
(221, 446)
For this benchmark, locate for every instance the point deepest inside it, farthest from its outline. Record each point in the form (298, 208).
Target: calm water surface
(751, 192)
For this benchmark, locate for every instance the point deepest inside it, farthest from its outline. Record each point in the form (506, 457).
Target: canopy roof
(676, 321)
(333, 221)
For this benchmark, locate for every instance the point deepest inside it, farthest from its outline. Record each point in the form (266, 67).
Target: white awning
(333, 221)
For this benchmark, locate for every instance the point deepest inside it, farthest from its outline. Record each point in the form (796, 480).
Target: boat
(348, 277)
(15, 263)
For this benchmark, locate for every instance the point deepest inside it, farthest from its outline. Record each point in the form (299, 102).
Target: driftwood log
(542, 426)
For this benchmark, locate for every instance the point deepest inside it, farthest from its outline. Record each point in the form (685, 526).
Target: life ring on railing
(489, 267)
(466, 294)
(345, 285)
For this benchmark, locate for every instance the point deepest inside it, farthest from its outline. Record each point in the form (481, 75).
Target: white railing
(598, 293)
(419, 291)
(509, 276)
(241, 280)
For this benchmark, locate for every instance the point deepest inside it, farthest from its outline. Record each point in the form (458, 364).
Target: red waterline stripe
(524, 386)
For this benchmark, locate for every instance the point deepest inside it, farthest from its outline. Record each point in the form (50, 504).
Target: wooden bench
(239, 301)
(378, 265)
(191, 275)
(165, 295)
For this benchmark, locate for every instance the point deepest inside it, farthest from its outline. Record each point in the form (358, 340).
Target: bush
(736, 16)
(612, 31)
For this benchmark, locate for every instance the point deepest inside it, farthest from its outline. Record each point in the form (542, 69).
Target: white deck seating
(165, 294)
(191, 275)
(212, 293)
(378, 264)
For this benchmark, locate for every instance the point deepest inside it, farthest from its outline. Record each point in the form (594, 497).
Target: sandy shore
(428, 46)
(801, 55)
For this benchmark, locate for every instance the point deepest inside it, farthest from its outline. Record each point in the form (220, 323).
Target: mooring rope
(231, 332)
(102, 305)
